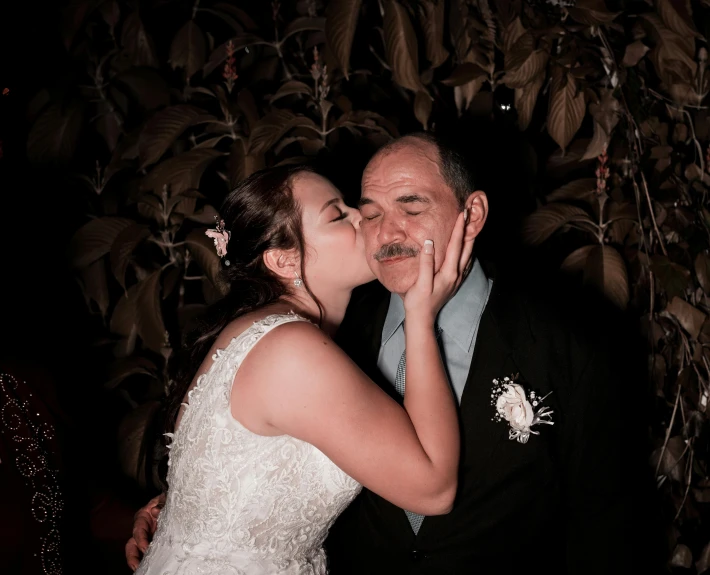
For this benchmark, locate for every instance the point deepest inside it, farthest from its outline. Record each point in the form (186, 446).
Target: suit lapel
(502, 342)
(503, 338)
(504, 334)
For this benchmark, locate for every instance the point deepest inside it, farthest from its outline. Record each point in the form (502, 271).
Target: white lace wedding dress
(240, 503)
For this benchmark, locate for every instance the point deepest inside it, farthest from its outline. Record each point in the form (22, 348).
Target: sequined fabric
(27, 446)
(240, 503)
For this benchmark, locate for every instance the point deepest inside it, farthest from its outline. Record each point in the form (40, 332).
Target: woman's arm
(303, 385)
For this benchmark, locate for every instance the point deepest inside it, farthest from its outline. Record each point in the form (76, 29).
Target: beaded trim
(29, 436)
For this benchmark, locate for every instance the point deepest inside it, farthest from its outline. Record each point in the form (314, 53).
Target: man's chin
(396, 282)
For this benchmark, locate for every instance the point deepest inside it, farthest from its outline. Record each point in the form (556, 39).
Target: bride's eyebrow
(329, 203)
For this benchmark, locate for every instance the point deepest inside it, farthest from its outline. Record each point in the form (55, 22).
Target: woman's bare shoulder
(294, 348)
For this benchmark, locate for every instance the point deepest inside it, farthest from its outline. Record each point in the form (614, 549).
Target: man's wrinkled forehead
(409, 165)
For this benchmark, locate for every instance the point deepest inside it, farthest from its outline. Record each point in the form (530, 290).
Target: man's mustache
(395, 251)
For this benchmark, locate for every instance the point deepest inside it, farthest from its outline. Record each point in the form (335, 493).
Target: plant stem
(690, 474)
(652, 214)
(668, 431)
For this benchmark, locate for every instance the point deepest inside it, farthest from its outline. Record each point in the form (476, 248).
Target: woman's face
(335, 250)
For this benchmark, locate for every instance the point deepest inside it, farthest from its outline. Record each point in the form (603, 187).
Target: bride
(273, 428)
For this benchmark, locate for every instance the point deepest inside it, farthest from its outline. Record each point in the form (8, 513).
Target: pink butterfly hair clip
(221, 237)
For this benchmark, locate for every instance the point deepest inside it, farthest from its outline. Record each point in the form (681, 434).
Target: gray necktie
(415, 520)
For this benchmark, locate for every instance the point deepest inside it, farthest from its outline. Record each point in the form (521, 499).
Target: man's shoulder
(560, 309)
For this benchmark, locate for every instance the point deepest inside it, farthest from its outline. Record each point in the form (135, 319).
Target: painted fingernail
(428, 247)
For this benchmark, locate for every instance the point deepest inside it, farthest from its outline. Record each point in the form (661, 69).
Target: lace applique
(241, 503)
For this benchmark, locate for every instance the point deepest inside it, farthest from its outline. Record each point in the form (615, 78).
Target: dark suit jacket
(571, 500)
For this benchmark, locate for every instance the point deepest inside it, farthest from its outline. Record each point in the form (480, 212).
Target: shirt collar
(455, 317)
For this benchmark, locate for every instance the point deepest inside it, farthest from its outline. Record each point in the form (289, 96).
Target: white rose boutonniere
(512, 405)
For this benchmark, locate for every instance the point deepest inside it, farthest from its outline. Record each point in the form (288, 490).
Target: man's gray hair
(454, 168)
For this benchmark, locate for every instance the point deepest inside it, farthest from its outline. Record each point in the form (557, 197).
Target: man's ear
(282, 263)
(477, 205)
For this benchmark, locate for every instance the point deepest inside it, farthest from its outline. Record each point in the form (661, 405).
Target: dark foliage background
(124, 123)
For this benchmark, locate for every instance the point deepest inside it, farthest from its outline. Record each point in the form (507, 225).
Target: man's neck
(466, 273)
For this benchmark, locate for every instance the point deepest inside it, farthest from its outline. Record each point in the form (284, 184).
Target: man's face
(404, 202)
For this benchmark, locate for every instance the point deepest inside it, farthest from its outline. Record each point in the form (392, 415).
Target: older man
(548, 480)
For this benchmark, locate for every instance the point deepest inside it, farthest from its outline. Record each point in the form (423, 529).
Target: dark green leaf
(164, 128)
(581, 190)
(137, 43)
(172, 279)
(529, 69)
(605, 269)
(422, 108)
(95, 287)
(94, 240)
(54, 135)
(73, 17)
(247, 105)
(674, 279)
(526, 99)
(273, 126)
(188, 48)
(124, 318)
(131, 435)
(149, 206)
(463, 74)
(341, 20)
(292, 87)
(126, 367)
(204, 216)
(691, 318)
(431, 18)
(702, 270)
(548, 219)
(566, 110)
(146, 86)
(182, 172)
(560, 162)
(401, 46)
(148, 313)
(237, 13)
(591, 12)
(577, 259)
(671, 457)
(239, 42)
(122, 249)
(303, 24)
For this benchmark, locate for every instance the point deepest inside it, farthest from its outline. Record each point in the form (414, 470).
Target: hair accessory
(221, 237)
(298, 282)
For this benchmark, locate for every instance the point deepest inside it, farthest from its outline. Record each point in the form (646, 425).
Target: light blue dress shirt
(458, 320)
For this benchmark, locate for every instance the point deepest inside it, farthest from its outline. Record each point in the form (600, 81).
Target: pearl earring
(298, 282)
